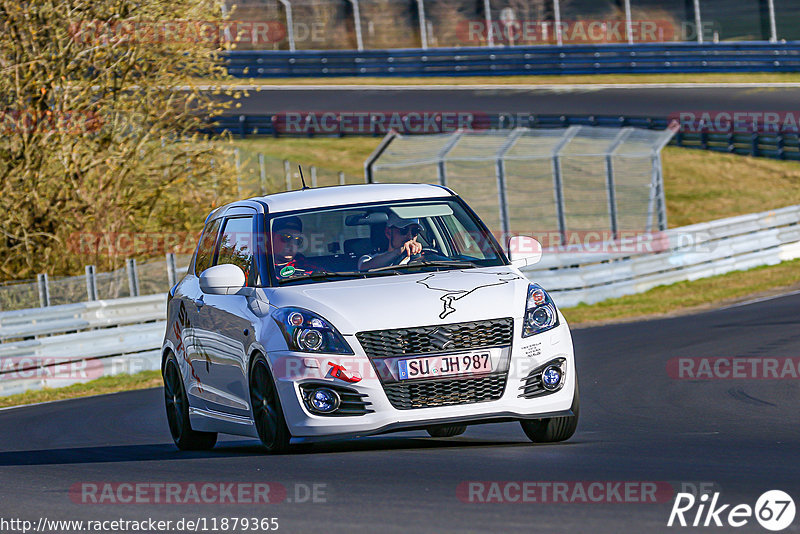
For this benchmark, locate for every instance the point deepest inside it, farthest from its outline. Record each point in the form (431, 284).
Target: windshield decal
(452, 292)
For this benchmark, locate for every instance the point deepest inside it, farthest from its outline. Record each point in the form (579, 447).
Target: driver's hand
(411, 247)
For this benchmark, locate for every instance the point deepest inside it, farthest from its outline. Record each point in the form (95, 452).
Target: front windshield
(373, 240)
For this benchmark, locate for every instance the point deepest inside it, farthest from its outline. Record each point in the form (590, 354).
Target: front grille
(439, 392)
(444, 338)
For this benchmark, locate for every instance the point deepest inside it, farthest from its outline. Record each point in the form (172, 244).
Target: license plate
(435, 366)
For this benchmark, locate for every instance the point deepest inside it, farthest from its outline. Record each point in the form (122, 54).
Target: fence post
(500, 171)
(610, 186)
(289, 24)
(773, 32)
(44, 290)
(341, 178)
(628, 22)
(558, 186)
(557, 22)
(698, 21)
(287, 174)
(357, 20)
(384, 144)
(133, 277)
(91, 283)
(487, 8)
(313, 176)
(441, 167)
(172, 271)
(422, 27)
(238, 163)
(262, 166)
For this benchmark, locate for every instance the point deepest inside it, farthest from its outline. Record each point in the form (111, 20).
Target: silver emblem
(441, 339)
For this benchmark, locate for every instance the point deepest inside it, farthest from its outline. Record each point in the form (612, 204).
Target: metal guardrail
(782, 145)
(60, 345)
(743, 56)
(686, 253)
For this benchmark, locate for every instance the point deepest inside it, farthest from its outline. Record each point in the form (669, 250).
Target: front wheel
(267, 411)
(555, 428)
(177, 406)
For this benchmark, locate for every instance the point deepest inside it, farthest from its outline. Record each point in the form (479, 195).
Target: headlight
(540, 312)
(305, 331)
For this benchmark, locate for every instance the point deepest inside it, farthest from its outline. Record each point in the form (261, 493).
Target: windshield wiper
(434, 263)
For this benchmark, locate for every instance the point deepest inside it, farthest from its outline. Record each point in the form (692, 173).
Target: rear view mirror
(523, 251)
(376, 217)
(224, 279)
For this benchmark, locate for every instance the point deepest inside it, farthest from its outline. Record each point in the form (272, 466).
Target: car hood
(407, 300)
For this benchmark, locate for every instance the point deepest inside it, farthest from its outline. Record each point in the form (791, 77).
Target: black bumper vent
(439, 392)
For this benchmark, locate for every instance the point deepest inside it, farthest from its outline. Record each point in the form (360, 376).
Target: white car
(356, 310)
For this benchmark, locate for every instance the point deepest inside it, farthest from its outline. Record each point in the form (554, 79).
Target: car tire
(177, 406)
(267, 411)
(446, 431)
(554, 429)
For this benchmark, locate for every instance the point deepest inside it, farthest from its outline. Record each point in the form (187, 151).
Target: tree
(100, 116)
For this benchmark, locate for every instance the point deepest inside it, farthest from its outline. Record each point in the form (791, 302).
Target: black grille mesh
(439, 392)
(444, 338)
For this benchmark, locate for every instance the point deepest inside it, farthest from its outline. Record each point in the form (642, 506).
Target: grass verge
(687, 297)
(106, 384)
(749, 77)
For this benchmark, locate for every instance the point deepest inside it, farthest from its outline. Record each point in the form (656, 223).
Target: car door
(188, 317)
(226, 325)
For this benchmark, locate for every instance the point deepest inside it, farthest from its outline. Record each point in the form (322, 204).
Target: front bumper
(291, 370)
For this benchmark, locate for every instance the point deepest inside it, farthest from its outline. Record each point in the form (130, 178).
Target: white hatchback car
(356, 310)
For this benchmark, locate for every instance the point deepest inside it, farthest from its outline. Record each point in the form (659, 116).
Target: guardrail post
(262, 167)
(44, 290)
(133, 277)
(754, 151)
(341, 178)
(172, 271)
(287, 173)
(423, 33)
(91, 282)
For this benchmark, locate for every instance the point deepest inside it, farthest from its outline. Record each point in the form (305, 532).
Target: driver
(402, 235)
(287, 239)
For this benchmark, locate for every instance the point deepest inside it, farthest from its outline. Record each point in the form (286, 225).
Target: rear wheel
(554, 428)
(177, 405)
(267, 411)
(446, 431)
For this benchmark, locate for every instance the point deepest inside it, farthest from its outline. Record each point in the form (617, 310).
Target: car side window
(205, 252)
(236, 245)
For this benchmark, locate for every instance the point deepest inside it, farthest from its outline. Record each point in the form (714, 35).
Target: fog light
(552, 377)
(324, 400)
(310, 339)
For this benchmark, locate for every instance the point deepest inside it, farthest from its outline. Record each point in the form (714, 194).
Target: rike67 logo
(774, 510)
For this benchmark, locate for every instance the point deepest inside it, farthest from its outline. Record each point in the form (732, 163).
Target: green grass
(106, 384)
(757, 77)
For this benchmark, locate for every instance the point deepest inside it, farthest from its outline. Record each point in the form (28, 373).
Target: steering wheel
(415, 257)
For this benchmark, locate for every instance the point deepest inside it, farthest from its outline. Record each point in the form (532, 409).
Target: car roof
(349, 194)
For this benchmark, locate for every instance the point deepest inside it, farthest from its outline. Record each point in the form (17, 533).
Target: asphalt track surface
(576, 100)
(637, 424)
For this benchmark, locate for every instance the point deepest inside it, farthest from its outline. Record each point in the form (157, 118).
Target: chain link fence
(380, 24)
(577, 184)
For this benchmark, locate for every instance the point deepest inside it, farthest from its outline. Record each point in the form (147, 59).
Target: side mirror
(523, 251)
(225, 279)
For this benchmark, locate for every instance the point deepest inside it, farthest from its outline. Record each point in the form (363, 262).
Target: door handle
(199, 302)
